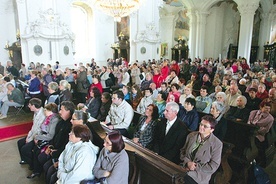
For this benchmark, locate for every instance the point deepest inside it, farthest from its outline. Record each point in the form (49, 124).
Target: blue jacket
(34, 86)
(190, 118)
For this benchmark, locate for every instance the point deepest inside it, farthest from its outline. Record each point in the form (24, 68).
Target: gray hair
(174, 106)
(243, 99)
(53, 86)
(65, 84)
(222, 94)
(219, 106)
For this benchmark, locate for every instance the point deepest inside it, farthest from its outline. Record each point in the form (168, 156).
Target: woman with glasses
(113, 163)
(145, 129)
(76, 162)
(201, 154)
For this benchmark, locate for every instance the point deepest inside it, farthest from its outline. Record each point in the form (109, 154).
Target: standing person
(113, 161)
(104, 77)
(26, 144)
(34, 85)
(81, 79)
(77, 160)
(170, 134)
(201, 155)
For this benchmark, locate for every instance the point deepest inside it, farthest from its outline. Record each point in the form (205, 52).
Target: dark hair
(212, 121)
(265, 102)
(81, 115)
(97, 77)
(175, 85)
(106, 95)
(7, 79)
(164, 84)
(97, 92)
(51, 107)
(164, 95)
(204, 87)
(83, 132)
(149, 89)
(191, 101)
(36, 102)
(155, 113)
(119, 94)
(195, 75)
(68, 106)
(137, 88)
(183, 81)
(117, 141)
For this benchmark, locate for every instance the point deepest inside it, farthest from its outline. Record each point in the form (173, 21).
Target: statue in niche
(123, 26)
(182, 27)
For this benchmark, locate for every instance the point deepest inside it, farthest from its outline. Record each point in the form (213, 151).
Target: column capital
(248, 8)
(202, 16)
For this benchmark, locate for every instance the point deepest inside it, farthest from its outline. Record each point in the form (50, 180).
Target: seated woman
(113, 161)
(126, 92)
(54, 94)
(96, 82)
(217, 112)
(201, 154)
(76, 162)
(92, 106)
(187, 94)
(34, 85)
(43, 138)
(161, 103)
(174, 91)
(189, 114)
(263, 119)
(65, 93)
(145, 129)
(145, 101)
(105, 106)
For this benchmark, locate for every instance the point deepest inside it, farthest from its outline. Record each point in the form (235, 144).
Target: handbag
(94, 181)
(42, 143)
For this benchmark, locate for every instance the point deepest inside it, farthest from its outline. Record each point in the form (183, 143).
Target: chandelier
(118, 8)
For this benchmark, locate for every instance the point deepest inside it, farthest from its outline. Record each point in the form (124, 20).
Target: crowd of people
(168, 95)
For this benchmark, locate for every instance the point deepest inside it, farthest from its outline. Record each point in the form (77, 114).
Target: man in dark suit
(170, 134)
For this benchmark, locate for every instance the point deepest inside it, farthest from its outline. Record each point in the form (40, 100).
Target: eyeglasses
(74, 119)
(204, 126)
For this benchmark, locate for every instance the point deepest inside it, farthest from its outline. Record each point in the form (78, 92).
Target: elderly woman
(161, 103)
(113, 161)
(221, 97)
(145, 101)
(44, 137)
(146, 83)
(264, 120)
(92, 106)
(65, 93)
(217, 111)
(76, 162)
(146, 127)
(54, 95)
(201, 154)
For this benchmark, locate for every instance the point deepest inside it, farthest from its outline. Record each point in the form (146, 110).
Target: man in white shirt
(120, 114)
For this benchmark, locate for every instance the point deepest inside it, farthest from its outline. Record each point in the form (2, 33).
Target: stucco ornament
(150, 34)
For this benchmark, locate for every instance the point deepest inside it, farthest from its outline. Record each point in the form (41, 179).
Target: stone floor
(12, 172)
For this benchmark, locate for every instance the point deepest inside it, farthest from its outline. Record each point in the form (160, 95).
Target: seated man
(201, 154)
(120, 114)
(15, 98)
(252, 101)
(189, 114)
(238, 113)
(170, 134)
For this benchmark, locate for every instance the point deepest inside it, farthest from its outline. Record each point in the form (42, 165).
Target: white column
(192, 34)
(201, 26)
(264, 34)
(247, 11)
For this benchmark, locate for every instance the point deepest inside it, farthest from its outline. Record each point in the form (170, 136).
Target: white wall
(8, 28)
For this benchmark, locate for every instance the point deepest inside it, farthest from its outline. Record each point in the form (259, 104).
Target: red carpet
(15, 131)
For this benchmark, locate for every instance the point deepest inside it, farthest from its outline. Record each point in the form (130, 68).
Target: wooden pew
(271, 143)
(245, 151)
